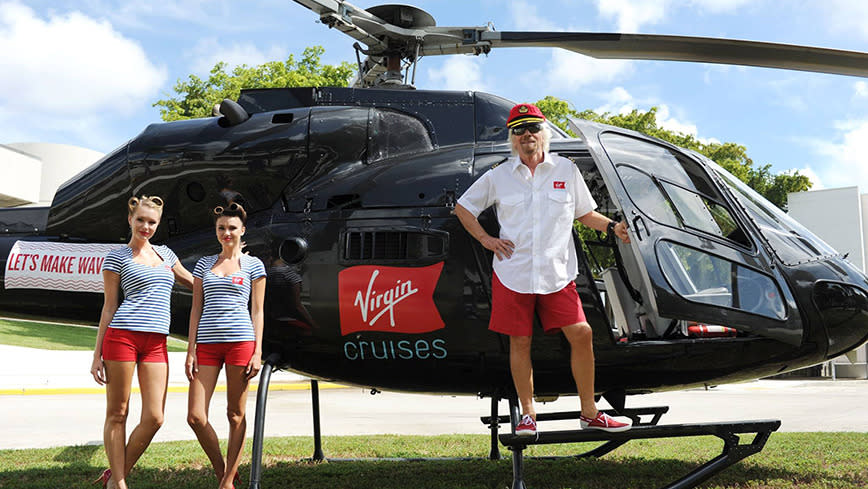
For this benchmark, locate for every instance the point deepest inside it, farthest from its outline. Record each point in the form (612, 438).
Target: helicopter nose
(844, 310)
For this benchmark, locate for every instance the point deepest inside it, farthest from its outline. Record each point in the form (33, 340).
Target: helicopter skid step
(633, 413)
(732, 451)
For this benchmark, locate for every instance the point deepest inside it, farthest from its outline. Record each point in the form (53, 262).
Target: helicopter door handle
(639, 226)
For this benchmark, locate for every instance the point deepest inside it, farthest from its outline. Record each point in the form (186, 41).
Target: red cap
(524, 114)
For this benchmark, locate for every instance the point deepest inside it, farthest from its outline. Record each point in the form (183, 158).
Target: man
(537, 197)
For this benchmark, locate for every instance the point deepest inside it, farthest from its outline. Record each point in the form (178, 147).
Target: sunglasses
(233, 207)
(531, 128)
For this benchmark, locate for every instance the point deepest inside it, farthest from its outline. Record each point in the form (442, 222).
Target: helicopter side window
(702, 277)
(671, 188)
(392, 134)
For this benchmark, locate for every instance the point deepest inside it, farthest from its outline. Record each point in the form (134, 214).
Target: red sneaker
(603, 422)
(527, 427)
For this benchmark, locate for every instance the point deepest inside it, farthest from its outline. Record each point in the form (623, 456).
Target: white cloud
(568, 72)
(150, 15)
(458, 73)
(860, 88)
(617, 101)
(633, 15)
(526, 15)
(69, 64)
(630, 15)
(667, 121)
(720, 6)
(796, 92)
(845, 160)
(812, 176)
(88, 130)
(620, 101)
(209, 51)
(847, 17)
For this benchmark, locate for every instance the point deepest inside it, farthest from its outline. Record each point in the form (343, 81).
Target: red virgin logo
(395, 299)
(559, 184)
(238, 280)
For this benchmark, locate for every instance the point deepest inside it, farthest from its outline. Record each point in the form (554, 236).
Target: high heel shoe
(236, 479)
(104, 478)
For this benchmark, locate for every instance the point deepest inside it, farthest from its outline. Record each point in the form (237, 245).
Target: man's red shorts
(512, 312)
(236, 353)
(123, 345)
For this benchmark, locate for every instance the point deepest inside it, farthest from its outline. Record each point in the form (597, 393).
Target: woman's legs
(153, 383)
(198, 402)
(119, 377)
(236, 404)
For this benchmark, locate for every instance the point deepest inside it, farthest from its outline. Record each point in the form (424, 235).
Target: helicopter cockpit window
(392, 134)
(671, 188)
(791, 241)
(702, 277)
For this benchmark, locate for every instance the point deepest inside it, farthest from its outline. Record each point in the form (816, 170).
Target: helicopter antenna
(394, 34)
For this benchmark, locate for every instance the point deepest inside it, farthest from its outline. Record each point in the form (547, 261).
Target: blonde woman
(225, 327)
(132, 335)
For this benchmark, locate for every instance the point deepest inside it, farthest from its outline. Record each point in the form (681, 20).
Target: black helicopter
(372, 280)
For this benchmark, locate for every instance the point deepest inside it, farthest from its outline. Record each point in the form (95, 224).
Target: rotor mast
(395, 37)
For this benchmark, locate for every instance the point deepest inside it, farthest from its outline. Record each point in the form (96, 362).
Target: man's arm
(595, 220)
(501, 247)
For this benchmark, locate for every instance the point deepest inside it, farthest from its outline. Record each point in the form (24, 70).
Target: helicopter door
(690, 256)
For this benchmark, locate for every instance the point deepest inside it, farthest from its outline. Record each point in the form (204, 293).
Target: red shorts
(123, 345)
(512, 312)
(236, 353)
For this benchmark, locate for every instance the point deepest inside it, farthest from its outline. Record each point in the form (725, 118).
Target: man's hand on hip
(501, 247)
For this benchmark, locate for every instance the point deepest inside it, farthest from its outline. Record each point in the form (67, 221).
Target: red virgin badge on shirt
(238, 280)
(561, 185)
(393, 299)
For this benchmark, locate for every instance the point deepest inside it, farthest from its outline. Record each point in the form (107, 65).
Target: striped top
(225, 312)
(147, 290)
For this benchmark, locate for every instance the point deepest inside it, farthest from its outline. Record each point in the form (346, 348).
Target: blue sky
(87, 72)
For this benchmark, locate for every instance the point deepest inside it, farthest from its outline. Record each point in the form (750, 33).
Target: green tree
(196, 97)
(731, 156)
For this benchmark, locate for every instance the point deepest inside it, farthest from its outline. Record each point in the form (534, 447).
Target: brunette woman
(225, 327)
(132, 335)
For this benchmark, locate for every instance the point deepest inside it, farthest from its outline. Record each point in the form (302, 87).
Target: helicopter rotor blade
(411, 32)
(691, 49)
(340, 15)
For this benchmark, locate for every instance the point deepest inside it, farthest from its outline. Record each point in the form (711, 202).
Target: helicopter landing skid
(732, 451)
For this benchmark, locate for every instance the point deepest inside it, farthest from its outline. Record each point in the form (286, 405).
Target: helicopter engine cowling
(193, 165)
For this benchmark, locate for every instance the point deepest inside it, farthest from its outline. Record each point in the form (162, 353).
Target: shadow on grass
(78, 455)
(539, 474)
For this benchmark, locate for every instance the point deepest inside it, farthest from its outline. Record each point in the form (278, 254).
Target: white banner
(75, 267)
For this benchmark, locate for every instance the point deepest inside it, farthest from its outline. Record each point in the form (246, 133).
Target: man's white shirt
(535, 212)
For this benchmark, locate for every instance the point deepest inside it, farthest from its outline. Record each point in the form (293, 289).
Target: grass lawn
(789, 461)
(52, 336)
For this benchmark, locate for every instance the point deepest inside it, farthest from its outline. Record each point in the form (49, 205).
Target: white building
(30, 173)
(839, 216)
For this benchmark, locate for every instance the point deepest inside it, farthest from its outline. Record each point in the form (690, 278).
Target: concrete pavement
(48, 398)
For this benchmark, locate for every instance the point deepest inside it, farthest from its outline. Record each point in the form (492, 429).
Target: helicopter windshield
(791, 242)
